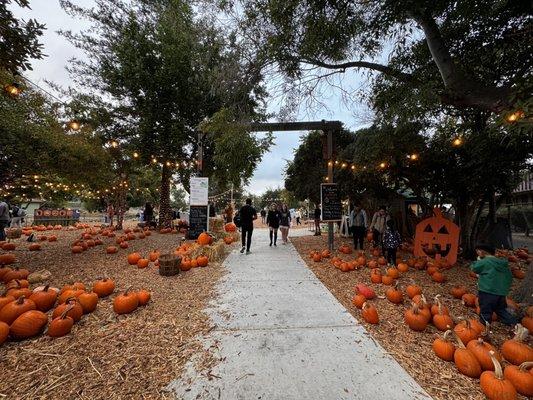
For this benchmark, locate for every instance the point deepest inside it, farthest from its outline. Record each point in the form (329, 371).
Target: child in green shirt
(494, 282)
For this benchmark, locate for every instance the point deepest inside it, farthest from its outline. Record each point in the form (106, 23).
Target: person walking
(378, 225)
(263, 215)
(298, 217)
(358, 224)
(318, 214)
(272, 221)
(391, 242)
(4, 219)
(284, 222)
(247, 216)
(148, 214)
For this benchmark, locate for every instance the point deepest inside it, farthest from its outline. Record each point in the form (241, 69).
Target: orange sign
(437, 237)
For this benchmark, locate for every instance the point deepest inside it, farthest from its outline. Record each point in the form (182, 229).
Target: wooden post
(330, 180)
(200, 161)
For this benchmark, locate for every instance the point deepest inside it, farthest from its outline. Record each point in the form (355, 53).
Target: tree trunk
(165, 212)
(120, 208)
(464, 218)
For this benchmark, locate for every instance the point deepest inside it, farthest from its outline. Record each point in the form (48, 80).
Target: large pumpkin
(230, 227)
(28, 324)
(437, 237)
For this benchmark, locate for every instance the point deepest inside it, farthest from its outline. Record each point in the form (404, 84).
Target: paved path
(282, 335)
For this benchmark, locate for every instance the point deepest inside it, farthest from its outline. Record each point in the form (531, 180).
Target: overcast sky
(269, 172)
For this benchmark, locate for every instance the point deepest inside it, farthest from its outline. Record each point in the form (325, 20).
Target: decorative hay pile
(213, 252)
(216, 225)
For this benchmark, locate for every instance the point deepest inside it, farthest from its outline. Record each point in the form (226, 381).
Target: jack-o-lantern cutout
(437, 237)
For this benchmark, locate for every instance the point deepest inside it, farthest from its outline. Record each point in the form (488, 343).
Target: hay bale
(216, 225)
(214, 252)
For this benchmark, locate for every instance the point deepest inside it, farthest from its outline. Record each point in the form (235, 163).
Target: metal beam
(295, 126)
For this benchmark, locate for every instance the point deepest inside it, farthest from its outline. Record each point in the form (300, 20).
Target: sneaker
(270, 244)
(248, 251)
(242, 250)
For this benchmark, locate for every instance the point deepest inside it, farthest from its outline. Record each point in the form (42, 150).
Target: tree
(161, 72)
(19, 40)
(38, 158)
(464, 42)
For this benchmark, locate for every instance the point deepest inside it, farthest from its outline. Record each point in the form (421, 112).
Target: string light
(353, 167)
(74, 125)
(13, 89)
(458, 141)
(413, 157)
(383, 165)
(514, 116)
(114, 143)
(330, 163)
(344, 165)
(326, 178)
(135, 154)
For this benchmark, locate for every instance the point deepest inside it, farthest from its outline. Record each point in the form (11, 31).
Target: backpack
(15, 211)
(237, 219)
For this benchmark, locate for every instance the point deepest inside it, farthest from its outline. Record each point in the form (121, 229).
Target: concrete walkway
(280, 334)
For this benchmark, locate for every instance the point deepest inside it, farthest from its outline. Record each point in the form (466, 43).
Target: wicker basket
(169, 264)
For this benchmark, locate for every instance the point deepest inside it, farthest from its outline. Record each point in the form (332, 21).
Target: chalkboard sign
(198, 221)
(331, 202)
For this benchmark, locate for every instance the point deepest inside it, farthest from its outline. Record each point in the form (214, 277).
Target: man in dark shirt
(318, 214)
(248, 215)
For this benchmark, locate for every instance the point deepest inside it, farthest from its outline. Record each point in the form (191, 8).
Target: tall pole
(330, 180)
(200, 162)
(231, 196)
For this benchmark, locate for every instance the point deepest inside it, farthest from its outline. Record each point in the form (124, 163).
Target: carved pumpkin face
(437, 237)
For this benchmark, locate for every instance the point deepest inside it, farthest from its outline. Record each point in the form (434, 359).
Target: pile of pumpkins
(24, 312)
(517, 259)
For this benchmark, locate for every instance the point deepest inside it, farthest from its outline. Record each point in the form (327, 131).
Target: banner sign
(199, 191)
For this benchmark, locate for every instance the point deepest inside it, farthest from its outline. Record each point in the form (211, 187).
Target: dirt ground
(411, 349)
(107, 356)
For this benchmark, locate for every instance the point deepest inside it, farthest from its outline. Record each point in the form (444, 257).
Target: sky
(270, 172)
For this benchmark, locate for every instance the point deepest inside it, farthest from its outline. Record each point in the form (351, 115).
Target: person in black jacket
(272, 221)
(318, 214)
(284, 222)
(148, 214)
(247, 215)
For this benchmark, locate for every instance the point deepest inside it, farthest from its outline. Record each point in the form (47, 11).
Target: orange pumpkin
(204, 239)
(133, 258)
(28, 324)
(126, 302)
(202, 261)
(143, 263)
(143, 296)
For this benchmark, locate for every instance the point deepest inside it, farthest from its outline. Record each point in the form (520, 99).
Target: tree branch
(364, 64)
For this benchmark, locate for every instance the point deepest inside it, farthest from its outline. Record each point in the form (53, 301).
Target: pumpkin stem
(20, 300)
(46, 288)
(525, 365)
(521, 333)
(459, 341)
(447, 333)
(67, 309)
(497, 366)
(126, 292)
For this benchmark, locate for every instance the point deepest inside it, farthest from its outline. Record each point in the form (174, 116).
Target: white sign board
(199, 191)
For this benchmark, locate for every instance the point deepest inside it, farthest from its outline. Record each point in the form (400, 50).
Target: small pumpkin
(124, 245)
(5, 299)
(111, 250)
(481, 350)
(34, 247)
(153, 255)
(375, 275)
(519, 376)
(412, 290)
(204, 239)
(133, 258)
(494, 384)
(393, 273)
(387, 280)
(11, 311)
(202, 261)
(369, 313)
(4, 332)
(9, 246)
(7, 259)
(103, 287)
(28, 324)
(514, 350)
(458, 291)
(75, 310)
(466, 332)
(143, 296)
(394, 295)
(415, 319)
(403, 267)
(143, 263)
(44, 299)
(444, 347)
(469, 299)
(185, 265)
(76, 249)
(88, 301)
(62, 325)
(465, 361)
(358, 300)
(67, 294)
(126, 302)
(438, 307)
(366, 291)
